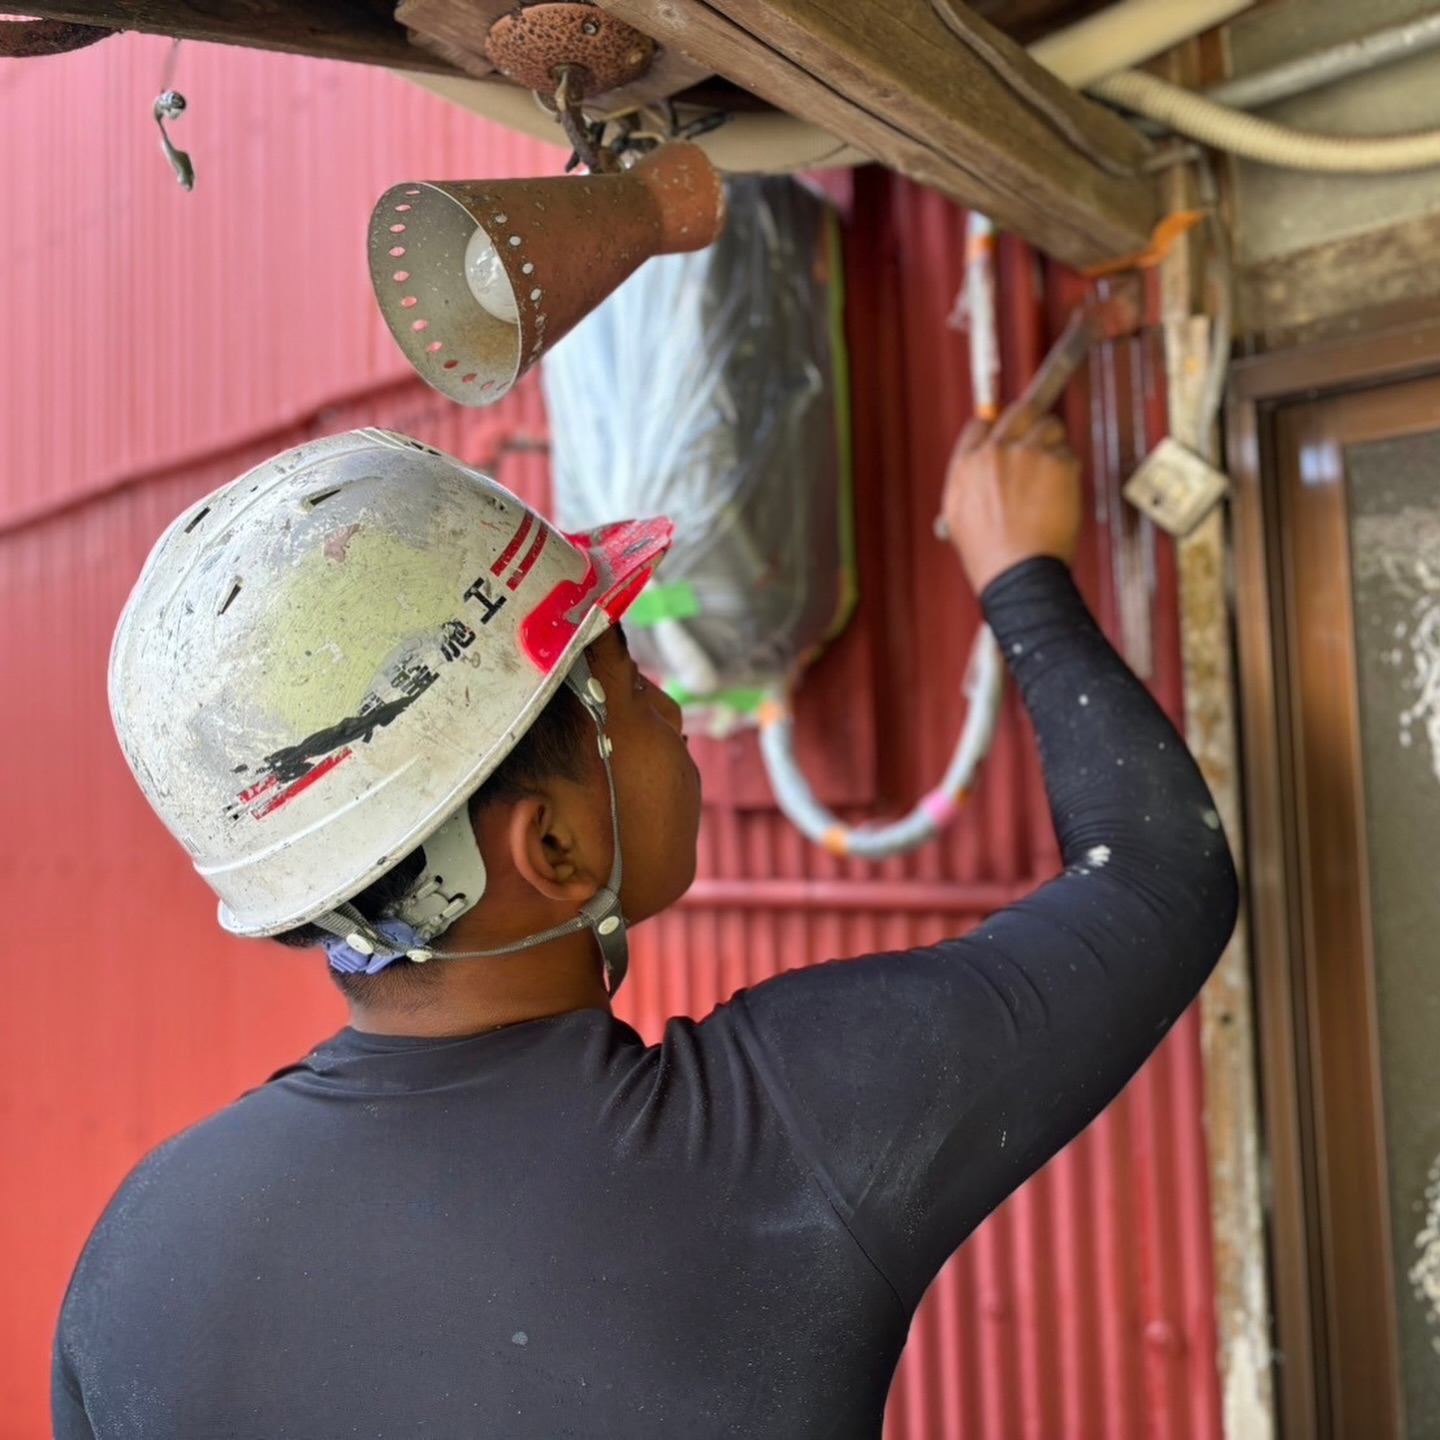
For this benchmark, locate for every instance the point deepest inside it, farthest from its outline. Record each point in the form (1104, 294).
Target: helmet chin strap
(433, 905)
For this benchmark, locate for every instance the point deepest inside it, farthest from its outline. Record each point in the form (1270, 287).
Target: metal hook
(585, 137)
(169, 105)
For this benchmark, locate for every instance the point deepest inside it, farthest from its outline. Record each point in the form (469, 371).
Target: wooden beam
(453, 32)
(893, 81)
(1303, 295)
(359, 30)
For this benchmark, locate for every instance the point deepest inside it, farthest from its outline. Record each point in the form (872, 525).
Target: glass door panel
(1393, 493)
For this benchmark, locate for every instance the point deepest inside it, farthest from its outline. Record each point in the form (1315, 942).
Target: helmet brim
(620, 558)
(625, 554)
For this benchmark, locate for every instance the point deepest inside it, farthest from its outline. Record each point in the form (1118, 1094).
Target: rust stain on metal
(533, 45)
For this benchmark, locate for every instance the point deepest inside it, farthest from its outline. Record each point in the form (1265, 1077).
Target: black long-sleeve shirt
(556, 1230)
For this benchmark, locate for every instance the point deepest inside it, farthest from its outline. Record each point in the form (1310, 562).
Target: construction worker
(389, 711)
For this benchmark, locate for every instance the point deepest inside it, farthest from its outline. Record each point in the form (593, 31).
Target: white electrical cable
(980, 314)
(984, 688)
(1126, 33)
(984, 685)
(1265, 141)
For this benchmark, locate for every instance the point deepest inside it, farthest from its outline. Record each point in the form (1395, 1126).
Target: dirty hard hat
(323, 660)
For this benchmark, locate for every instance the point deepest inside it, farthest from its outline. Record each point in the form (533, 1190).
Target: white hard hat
(323, 660)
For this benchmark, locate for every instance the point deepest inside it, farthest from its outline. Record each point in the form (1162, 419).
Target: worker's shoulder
(205, 1155)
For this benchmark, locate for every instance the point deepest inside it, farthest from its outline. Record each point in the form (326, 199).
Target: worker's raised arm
(923, 1086)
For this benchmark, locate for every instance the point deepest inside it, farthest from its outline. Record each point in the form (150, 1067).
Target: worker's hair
(557, 746)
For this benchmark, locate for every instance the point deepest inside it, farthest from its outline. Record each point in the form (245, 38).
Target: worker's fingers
(1018, 421)
(1047, 434)
(973, 436)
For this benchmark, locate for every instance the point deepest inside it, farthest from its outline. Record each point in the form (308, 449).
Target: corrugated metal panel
(235, 305)
(1083, 1307)
(127, 1013)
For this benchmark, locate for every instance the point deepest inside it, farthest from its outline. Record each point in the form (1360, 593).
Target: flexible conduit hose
(1264, 141)
(984, 688)
(984, 676)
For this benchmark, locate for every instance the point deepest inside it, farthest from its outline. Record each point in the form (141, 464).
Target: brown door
(1358, 639)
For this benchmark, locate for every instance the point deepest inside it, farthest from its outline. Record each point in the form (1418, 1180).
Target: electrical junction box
(1175, 487)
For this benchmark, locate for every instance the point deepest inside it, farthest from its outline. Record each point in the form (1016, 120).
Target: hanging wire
(583, 136)
(1222, 328)
(172, 57)
(170, 105)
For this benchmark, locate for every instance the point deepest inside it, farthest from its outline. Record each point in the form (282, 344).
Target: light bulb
(488, 282)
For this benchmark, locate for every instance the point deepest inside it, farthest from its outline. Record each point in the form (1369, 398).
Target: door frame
(1262, 387)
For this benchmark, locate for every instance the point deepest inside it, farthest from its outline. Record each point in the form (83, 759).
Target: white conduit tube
(1265, 141)
(1126, 33)
(980, 311)
(984, 684)
(1324, 67)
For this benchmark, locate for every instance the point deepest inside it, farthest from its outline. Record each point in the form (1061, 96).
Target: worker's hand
(1009, 500)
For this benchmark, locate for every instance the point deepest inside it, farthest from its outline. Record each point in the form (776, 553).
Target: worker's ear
(554, 844)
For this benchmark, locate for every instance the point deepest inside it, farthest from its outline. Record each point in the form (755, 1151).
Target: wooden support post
(894, 81)
(1227, 1028)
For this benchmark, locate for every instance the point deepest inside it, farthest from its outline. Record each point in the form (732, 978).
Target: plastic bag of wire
(710, 388)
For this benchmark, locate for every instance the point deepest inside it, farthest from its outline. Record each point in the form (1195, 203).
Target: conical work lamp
(478, 278)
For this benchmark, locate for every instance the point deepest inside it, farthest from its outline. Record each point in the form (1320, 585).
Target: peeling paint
(338, 543)
(377, 570)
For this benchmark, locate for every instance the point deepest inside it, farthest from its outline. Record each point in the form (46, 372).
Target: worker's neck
(468, 997)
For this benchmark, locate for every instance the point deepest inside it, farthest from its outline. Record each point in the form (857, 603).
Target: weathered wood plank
(455, 33)
(1304, 295)
(1227, 1003)
(360, 30)
(1027, 20)
(892, 80)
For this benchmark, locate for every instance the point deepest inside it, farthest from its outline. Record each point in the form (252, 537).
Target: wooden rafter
(361, 30)
(893, 81)
(890, 79)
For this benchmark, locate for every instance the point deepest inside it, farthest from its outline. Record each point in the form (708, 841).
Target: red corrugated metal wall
(156, 344)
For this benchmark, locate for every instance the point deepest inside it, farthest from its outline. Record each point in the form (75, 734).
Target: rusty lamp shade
(478, 278)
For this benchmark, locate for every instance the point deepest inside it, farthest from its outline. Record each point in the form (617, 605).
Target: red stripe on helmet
(516, 541)
(531, 556)
(303, 783)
